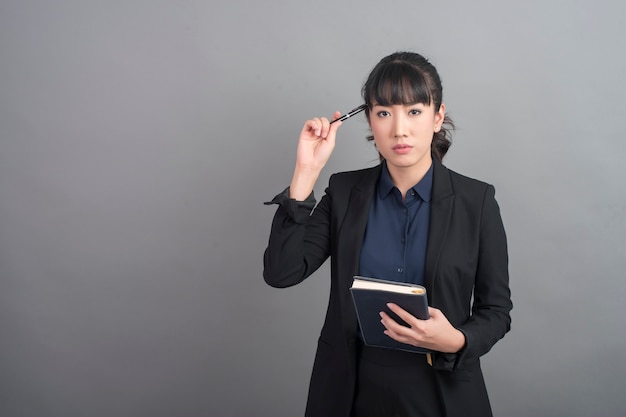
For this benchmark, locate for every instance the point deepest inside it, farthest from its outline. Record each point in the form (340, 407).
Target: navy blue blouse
(394, 247)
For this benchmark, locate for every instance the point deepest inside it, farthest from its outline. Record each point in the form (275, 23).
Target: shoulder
(459, 184)
(467, 183)
(355, 178)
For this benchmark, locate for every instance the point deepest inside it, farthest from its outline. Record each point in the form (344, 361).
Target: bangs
(397, 83)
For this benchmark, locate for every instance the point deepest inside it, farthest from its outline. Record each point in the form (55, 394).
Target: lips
(402, 148)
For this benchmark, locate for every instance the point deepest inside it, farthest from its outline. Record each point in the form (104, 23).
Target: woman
(408, 219)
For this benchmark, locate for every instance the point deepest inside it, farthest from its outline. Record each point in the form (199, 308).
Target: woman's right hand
(317, 141)
(316, 144)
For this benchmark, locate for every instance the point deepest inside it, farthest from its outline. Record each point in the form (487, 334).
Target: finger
(398, 332)
(325, 127)
(395, 336)
(335, 125)
(436, 314)
(402, 313)
(313, 127)
(316, 126)
(392, 325)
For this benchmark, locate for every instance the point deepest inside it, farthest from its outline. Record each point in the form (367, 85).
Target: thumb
(335, 125)
(433, 312)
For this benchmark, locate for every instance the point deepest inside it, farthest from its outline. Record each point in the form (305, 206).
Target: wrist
(459, 342)
(302, 183)
(454, 343)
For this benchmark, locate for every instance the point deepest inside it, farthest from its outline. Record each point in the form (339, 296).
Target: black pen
(351, 113)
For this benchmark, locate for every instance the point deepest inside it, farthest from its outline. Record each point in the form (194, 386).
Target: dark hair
(408, 78)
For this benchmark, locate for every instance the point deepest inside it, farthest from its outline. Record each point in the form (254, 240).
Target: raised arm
(316, 144)
(298, 245)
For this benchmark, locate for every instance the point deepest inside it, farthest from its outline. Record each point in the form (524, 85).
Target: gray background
(138, 140)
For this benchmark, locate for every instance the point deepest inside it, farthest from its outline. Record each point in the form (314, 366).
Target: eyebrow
(374, 104)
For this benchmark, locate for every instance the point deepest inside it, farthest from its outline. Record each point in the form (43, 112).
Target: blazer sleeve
(490, 318)
(299, 240)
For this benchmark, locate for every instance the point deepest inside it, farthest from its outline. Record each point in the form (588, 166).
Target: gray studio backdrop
(139, 139)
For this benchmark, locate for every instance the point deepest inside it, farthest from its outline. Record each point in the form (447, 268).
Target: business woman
(408, 219)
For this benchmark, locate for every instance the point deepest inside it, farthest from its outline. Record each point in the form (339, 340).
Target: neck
(406, 177)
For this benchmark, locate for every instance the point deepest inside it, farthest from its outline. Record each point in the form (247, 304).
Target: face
(403, 134)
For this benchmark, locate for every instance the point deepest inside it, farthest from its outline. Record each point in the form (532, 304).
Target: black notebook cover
(369, 303)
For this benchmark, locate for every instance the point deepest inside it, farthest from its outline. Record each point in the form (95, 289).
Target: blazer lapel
(352, 228)
(440, 212)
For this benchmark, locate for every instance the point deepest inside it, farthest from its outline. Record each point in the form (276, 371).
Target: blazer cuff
(444, 361)
(451, 361)
(299, 211)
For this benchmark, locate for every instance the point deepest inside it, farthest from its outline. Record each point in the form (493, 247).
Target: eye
(414, 112)
(383, 113)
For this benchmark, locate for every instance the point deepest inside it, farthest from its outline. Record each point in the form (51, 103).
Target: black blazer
(466, 276)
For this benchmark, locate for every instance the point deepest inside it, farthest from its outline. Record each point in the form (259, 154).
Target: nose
(399, 126)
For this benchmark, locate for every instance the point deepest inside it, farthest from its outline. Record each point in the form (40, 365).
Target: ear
(439, 117)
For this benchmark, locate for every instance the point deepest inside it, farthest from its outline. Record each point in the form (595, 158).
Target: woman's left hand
(436, 333)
